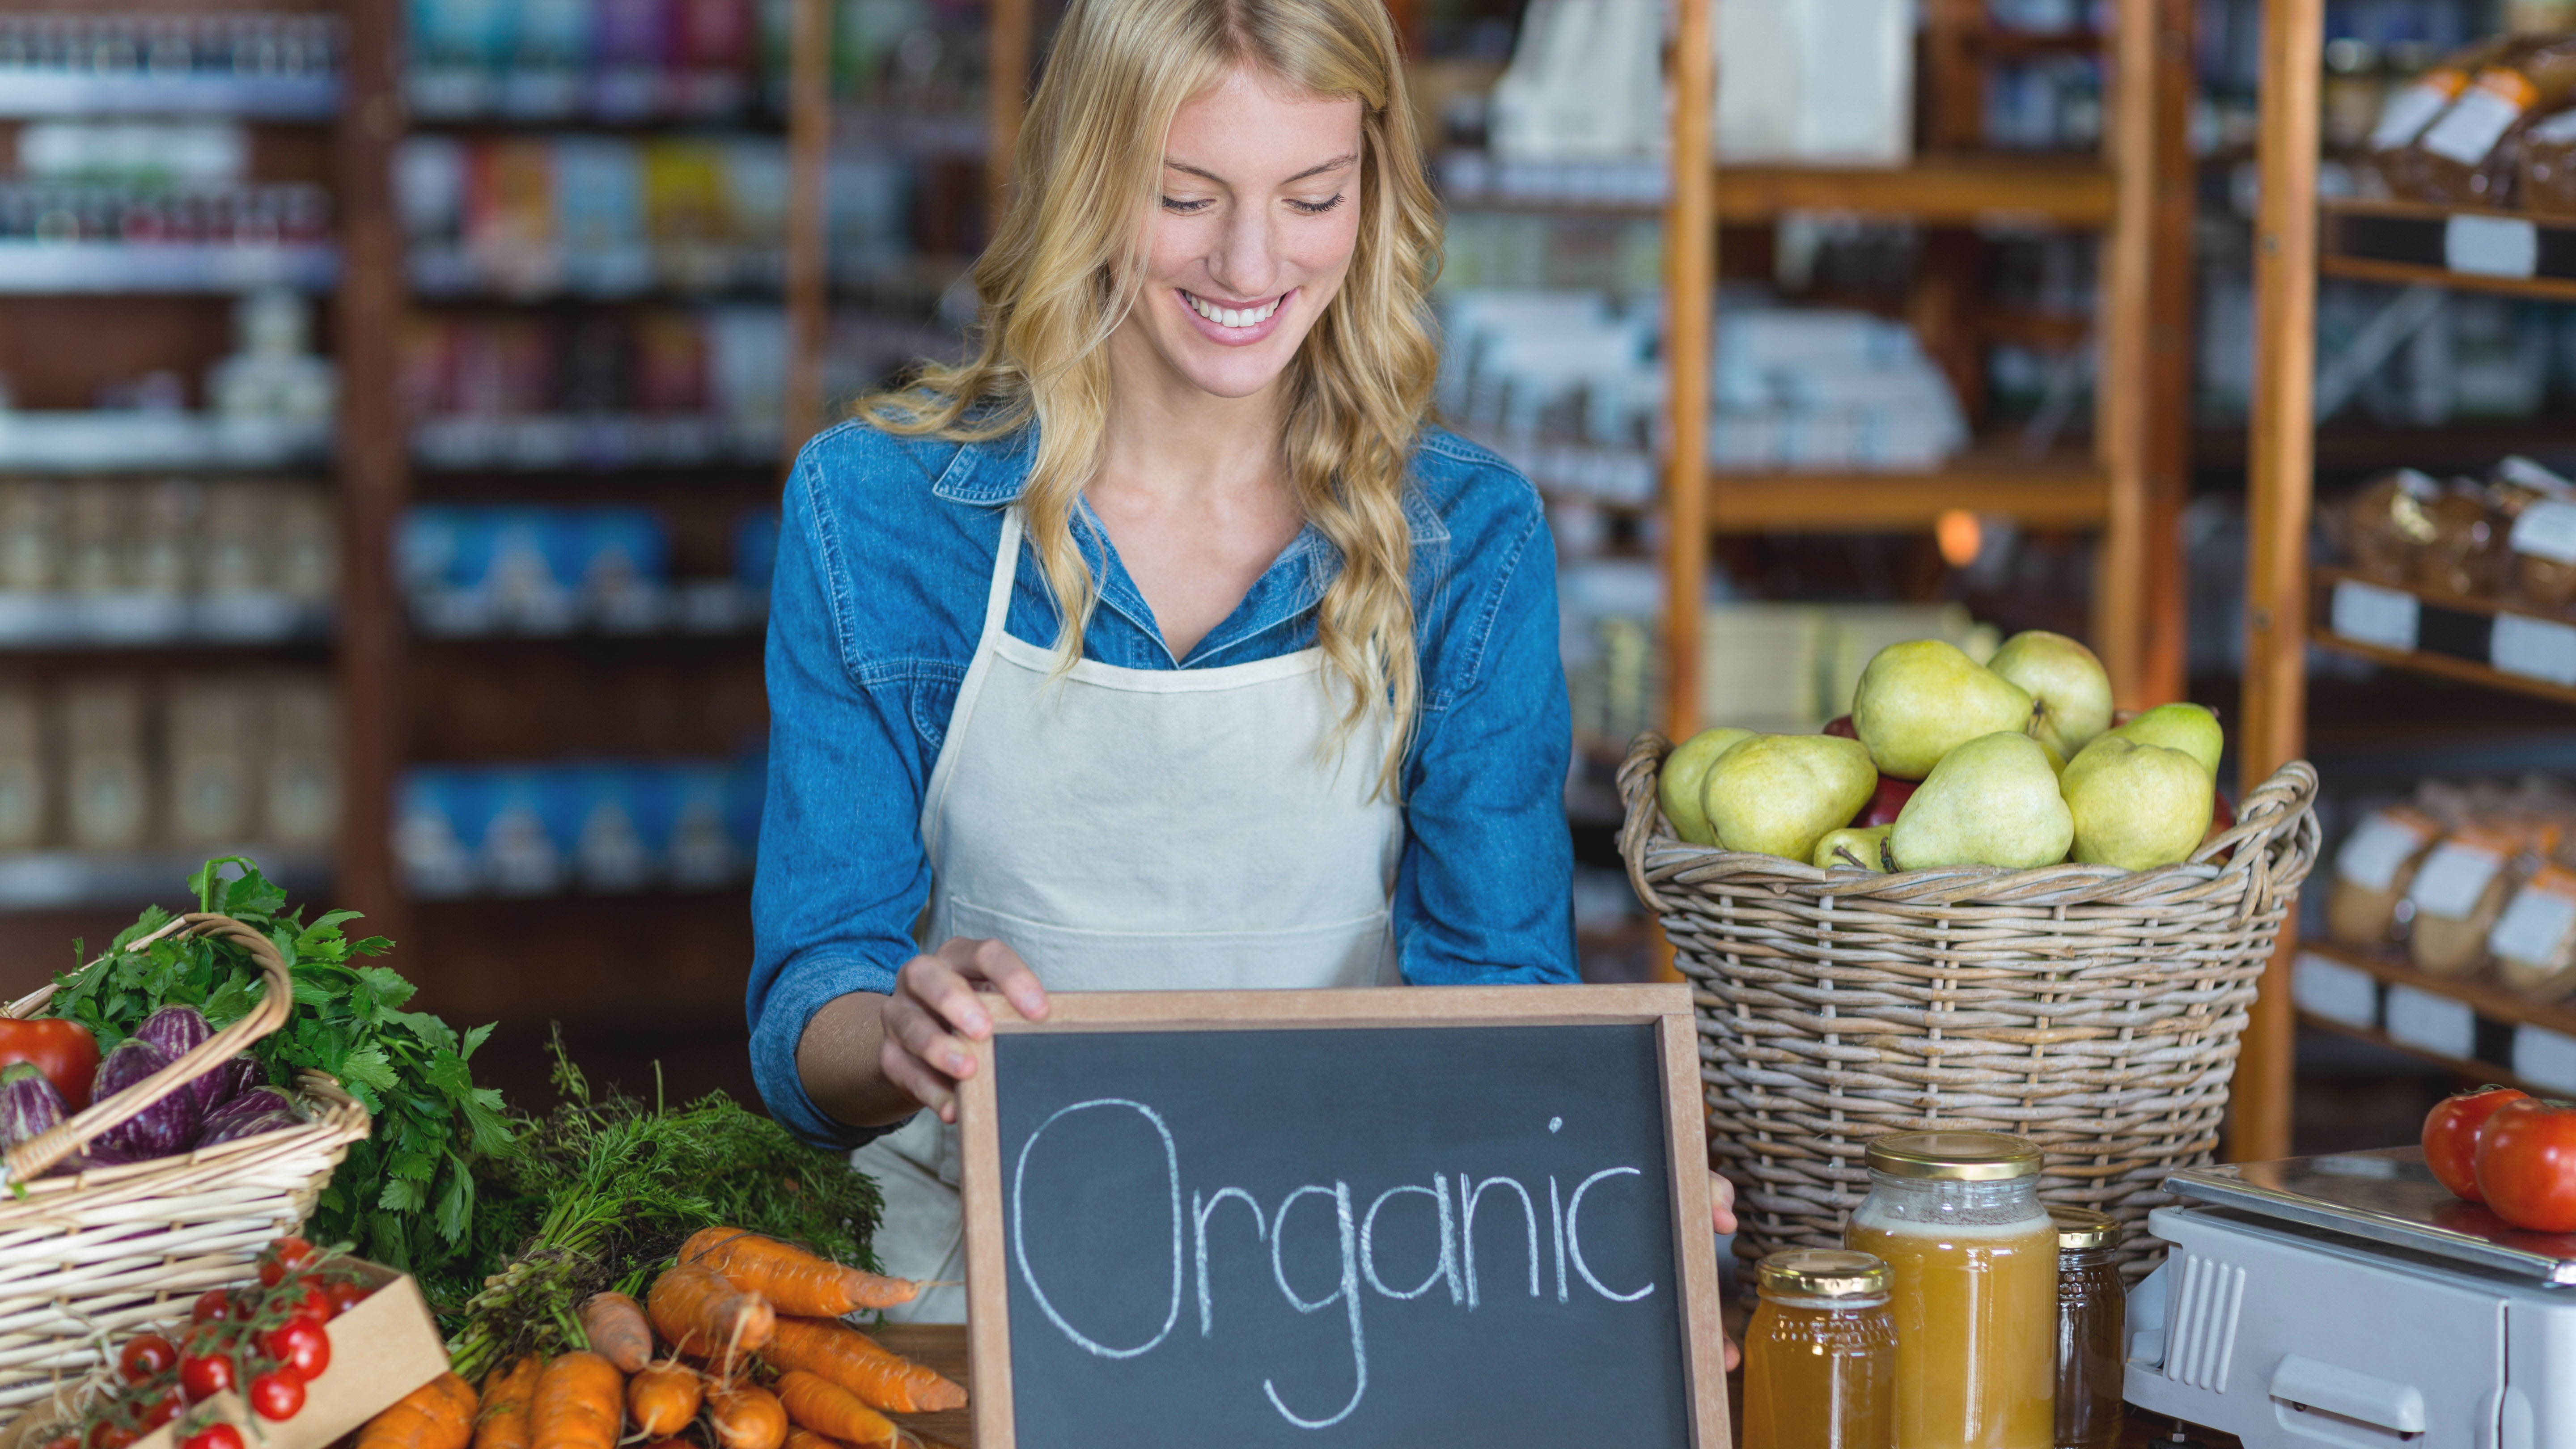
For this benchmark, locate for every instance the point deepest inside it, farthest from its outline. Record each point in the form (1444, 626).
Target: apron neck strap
(1006, 570)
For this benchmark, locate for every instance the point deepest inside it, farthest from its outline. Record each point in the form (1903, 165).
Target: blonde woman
(1162, 644)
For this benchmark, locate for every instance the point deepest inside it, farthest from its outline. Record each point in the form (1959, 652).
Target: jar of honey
(1972, 1261)
(2092, 1306)
(1820, 1354)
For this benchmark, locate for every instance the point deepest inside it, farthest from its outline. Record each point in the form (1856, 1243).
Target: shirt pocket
(933, 702)
(1356, 952)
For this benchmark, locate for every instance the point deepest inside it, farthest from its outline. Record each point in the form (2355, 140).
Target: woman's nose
(1246, 263)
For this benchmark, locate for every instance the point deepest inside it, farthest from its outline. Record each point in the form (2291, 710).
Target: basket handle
(1637, 826)
(30, 1159)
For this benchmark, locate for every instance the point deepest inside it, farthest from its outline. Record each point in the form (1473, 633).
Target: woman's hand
(1721, 1208)
(933, 1013)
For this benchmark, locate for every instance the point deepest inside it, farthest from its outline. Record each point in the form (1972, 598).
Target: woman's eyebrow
(1336, 164)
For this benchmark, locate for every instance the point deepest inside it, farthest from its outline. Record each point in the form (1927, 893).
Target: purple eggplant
(247, 1124)
(158, 1130)
(249, 1104)
(234, 1078)
(29, 1105)
(177, 1031)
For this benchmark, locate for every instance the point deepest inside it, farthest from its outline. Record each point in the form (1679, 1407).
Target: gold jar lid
(1824, 1273)
(2083, 1228)
(1954, 1156)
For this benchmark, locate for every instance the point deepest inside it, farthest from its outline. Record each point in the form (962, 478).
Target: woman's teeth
(1232, 316)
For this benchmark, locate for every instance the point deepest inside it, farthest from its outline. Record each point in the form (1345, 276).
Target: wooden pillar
(2121, 423)
(374, 469)
(2164, 627)
(809, 159)
(2281, 459)
(1690, 282)
(1008, 46)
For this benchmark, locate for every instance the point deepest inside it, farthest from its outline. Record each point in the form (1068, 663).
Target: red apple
(1842, 725)
(1886, 803)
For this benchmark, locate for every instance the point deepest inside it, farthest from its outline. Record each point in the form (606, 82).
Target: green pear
(1685, 769)
(2070, 691)
(2056, 761)
(1991, 801)
(1921, 700)
(1779, 794)
(2190, 728)
(1860, 845)
(2137, 806)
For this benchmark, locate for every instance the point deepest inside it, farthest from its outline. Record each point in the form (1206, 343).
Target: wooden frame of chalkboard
(1665, 1009)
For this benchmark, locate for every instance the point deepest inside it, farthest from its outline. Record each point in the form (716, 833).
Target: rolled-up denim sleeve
(1485, 892)
(841, 873)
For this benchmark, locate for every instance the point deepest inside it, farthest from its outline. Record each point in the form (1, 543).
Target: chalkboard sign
(1411, 1216)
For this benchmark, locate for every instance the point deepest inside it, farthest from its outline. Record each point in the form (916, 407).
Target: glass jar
(2092, 1304)
(1820, 1355)
(1972, 1259)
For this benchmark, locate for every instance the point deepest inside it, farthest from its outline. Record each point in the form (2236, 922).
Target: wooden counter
(943, 1347)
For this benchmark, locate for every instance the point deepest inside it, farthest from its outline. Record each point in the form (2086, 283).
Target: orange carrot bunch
(880, 1378)
(793, 1280)
(437, 1415)
(699, 1312)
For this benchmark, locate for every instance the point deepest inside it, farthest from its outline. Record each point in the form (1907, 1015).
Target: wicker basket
(2092, 1010)
(111, 1251)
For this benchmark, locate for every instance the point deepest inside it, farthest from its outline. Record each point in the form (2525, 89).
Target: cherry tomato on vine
(204, 1375)
(286, 1256)
(313, 1305)
(345, 1295)
(159, 1411)
(2527, 1164)
(145, 1355)
(213, 1306)
(67, 1441)
(218, 1435)
(111, 1436)
(276, 1395)
(300, 1346)
(2451, 1137)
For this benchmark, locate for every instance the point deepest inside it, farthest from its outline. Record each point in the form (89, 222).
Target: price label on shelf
(2545, 1058)
(2547, 529)
(2368, 614)
(2452, 878)
(2533, 649)
(2436, 1024)
(2334, 991)
(2491, 246)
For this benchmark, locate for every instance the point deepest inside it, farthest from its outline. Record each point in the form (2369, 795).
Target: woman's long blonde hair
(1064, 268)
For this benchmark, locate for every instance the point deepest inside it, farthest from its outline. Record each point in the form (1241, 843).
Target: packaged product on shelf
(2374, 871)
(26, 773)
(2534, 941)
(2468, 156)
(2461, 889)
(2466, 555)
(108, 795)
(301, 781)
(535, 829)
(2548, 180)
(2387, 525)
(2542, 536)
(31, 536)
(212, 735)
(274, 374)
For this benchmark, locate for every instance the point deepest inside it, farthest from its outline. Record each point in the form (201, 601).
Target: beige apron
(1136, 830)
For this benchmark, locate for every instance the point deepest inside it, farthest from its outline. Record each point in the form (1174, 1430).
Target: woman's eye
(1184, 208)
(1317, 208)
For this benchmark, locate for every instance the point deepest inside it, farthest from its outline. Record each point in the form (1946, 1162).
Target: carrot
(826, 1408)
(880, 1377)
(800, 1437)
(663, 1399)
(615, 1326)
(700, 1313)
(506, 1397)
(793, 1280)
(580, 1404)
(437, 1415)
(745, 1417)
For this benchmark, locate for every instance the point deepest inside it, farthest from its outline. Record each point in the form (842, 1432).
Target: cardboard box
(381, 1349)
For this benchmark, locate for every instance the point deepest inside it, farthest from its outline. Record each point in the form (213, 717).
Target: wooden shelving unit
(2136, 195)
(2479, 1018)
(2507, 646)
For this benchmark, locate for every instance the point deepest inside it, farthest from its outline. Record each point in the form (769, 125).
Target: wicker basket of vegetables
(115, 1216)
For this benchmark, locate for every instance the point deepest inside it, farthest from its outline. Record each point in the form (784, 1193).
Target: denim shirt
(884, 563)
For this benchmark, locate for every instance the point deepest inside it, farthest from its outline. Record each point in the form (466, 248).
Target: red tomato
(299, 1345)
(314, 1305)
(217, 1435)
(63, 1050)
(145, 1355)
(159, 1411)
(276, 1395)
(204, 1375)
(345, 1295)
(288, 1255)
(213, 1306)
(2451, 1137)
(2527, 1164)
(67, 1441)
(111, 1436)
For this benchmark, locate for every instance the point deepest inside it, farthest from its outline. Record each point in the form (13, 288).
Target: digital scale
(2351, 1301)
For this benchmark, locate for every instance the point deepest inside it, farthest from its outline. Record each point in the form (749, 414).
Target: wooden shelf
(1953, 190)
(2455, 635)
(2495, 1002)
(2407, 242)
(2052, 492)
(2464, 1067)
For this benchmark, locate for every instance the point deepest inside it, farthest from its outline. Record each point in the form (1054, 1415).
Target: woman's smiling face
(1251, 235)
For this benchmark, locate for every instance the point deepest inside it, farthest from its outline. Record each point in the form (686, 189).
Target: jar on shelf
(2092, 1307)
(1972, 1258)
(1820, 1354)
